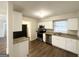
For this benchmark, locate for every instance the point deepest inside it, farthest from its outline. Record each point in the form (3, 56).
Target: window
(60, 26)
(2, 26)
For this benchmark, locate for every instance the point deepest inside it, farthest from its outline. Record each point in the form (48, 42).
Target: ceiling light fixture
(42, 13)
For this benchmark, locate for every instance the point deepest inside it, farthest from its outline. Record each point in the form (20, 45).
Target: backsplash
(49, 30)
(73, 32)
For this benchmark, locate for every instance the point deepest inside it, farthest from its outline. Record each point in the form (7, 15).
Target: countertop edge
(64, 35)
(19, 40)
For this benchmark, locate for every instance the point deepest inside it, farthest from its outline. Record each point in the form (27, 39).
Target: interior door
(24, 30)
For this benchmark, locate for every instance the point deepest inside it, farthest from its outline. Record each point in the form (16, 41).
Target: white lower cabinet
(54, 41)
(21, 49)
(65, 43)
(71, 45)
(78, 47)
(44, 37)
(61, 42)
(58, 42)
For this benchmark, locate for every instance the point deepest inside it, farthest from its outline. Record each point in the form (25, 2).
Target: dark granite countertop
(63, 35)
(19, 40)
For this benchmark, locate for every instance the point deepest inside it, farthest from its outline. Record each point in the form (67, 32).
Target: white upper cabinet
(17, 21)
(47, 24)
(66, 43)
(73, 24)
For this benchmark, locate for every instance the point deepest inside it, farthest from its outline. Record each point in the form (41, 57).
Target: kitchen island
(21, 47)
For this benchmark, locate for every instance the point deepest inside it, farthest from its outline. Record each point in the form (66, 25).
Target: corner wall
(10, 30)
(62, 16)
(32, 25)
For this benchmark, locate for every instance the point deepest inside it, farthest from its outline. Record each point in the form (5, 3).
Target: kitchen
(61, 28)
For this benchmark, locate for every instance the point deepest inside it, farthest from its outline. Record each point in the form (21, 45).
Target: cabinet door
(62, 42)
(71, 45)
(44, 37)
(21, 49)
(78, 47)
(17, 21)
(66, 43)
(73, 24)
(55, 41)
(47, 24)
(41, 23)
(58, 41)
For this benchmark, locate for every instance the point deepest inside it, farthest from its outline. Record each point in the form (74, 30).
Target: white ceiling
(28, 8)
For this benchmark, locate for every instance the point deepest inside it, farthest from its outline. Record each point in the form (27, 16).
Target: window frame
(57, 21)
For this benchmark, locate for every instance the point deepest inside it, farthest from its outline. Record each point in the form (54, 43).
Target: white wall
(28, 27)
(3, 18)
(63, 16)
(32, 27)
(3, 14)
(3, 7)
(2, 25)
(1, 28)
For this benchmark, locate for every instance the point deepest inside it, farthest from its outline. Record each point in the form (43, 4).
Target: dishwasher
(49, 39)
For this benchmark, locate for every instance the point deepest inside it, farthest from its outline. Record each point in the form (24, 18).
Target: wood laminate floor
(41, 49)
(2, 46)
